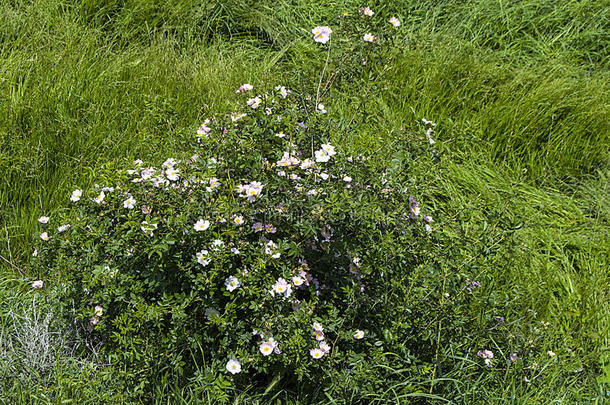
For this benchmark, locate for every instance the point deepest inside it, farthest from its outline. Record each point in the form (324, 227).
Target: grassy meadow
(520, 93)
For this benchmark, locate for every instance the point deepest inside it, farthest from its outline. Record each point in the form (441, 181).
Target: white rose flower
(233, 366)
(201, 225)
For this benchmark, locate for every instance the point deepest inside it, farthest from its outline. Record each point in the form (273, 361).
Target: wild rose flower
(201, 225)
(160, 182)
(172, 174)
(307, 164)
(238, 220)
(43, 220)
(129, 203)
(298, 281)
(254, 102)
(217, 245)
(76, 195)
(328, 149)
(63, 228)
(316, 353)
(258, 227)
(415, 210)
(233, 367)
(471, 285)
(487, 355)
(272, 249)
(45, 236)
(368, 37)
(202, 257)
(321, 156)
(306, 276)
(214, 182)
(99, 198)
(251, 191)
(320, 108)
(146, 174)
(325, 153)
(318, 334)
(394, 21)
(171, 162)
(38, 284)
(204, 130)
(367, 12)
(276, 346)
(284, 162)
(321, 34)
(147, 228)
(283, 91)
(325, 347)
(287, 161)
(236, 116)
(146, 210)
(359, 334)
(231, 283)
(281, 287)
(99, 311)
(317, 326)
(266, 348)
(244, 87)
(269, 228)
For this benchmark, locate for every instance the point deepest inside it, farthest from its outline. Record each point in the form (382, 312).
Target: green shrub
(269, 246)
(272, 253)
(263, 233)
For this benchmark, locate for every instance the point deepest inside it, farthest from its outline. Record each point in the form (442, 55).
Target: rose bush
(267, 250)
(267, 230)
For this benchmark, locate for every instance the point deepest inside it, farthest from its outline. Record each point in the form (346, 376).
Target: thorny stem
(438, 342)
(17, 268)
(322, 75)
(334, 73)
